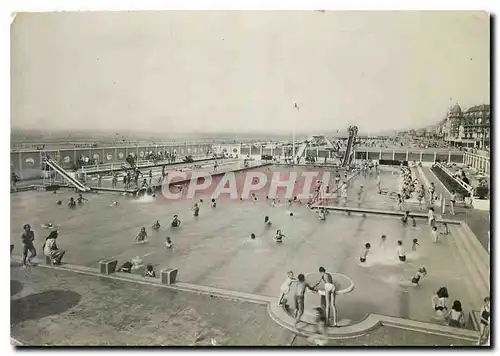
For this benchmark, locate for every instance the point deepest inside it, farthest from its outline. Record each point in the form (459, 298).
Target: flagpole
(293, 141)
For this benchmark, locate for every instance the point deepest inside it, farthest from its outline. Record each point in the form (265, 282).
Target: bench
(108, 266)
(474, 319)
(168, 275)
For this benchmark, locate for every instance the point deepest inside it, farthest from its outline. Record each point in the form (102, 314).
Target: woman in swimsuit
(285, 288)
(456, 315)
(484, 325)
(175, 221)
(149, 271)
(141, 236)
(439, 302)
(279, 236)
(453, 200)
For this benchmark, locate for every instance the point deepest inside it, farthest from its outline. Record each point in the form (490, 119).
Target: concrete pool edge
(383, 212)
(369, 323)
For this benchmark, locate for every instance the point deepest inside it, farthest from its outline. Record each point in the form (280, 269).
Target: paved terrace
(59, 308)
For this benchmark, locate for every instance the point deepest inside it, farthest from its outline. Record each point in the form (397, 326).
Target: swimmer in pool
(252, 236)
(168, 242)
(421, 273)
(59, 202)
(415, 244)
(196, 209)
(278, 238)
(80, 199)
(322, 215)
(175, 221)
(72, 203)
(267, 221)
(141, 236)
(405, 218)
(401, 251)
(364, 253)
(49, 226)
(383, 238)
(213, 204)
(115, 203)
(156, 225)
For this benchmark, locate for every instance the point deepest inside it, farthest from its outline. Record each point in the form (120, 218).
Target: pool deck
(213, 251)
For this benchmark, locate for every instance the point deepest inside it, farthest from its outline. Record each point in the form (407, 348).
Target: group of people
(326, 314)
(50, 248)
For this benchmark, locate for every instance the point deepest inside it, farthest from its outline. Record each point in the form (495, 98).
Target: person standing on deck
(379, 181)
(300, 291)
(328, 300)
(114, 181)
(27, 239)
(453, 200)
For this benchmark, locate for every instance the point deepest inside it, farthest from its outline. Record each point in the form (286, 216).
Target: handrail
(464, 185)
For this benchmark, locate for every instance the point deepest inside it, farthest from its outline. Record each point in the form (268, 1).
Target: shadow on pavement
(15, 287)
(40, 305)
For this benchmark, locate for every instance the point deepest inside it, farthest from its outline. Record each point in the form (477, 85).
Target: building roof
(455, 111)
(476, 108)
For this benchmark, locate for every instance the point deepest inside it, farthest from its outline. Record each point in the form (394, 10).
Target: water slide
(72, 180)
(300, 151)
(348, 151)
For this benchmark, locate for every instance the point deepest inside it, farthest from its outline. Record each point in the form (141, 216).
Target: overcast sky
(224, 71)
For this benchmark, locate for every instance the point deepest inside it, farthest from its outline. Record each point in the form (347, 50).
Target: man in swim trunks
(27, 239)
(328, 300)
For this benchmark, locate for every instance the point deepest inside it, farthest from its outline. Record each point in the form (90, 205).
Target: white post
(380, 154)
(406, 155)
(435, 156)
(393, 155)
(421, 153)
(293, 144)
(443, 206)
(449, 156)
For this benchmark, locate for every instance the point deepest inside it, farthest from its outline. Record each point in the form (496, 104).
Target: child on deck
(141, 236)
(285, 288)
(149, 271)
